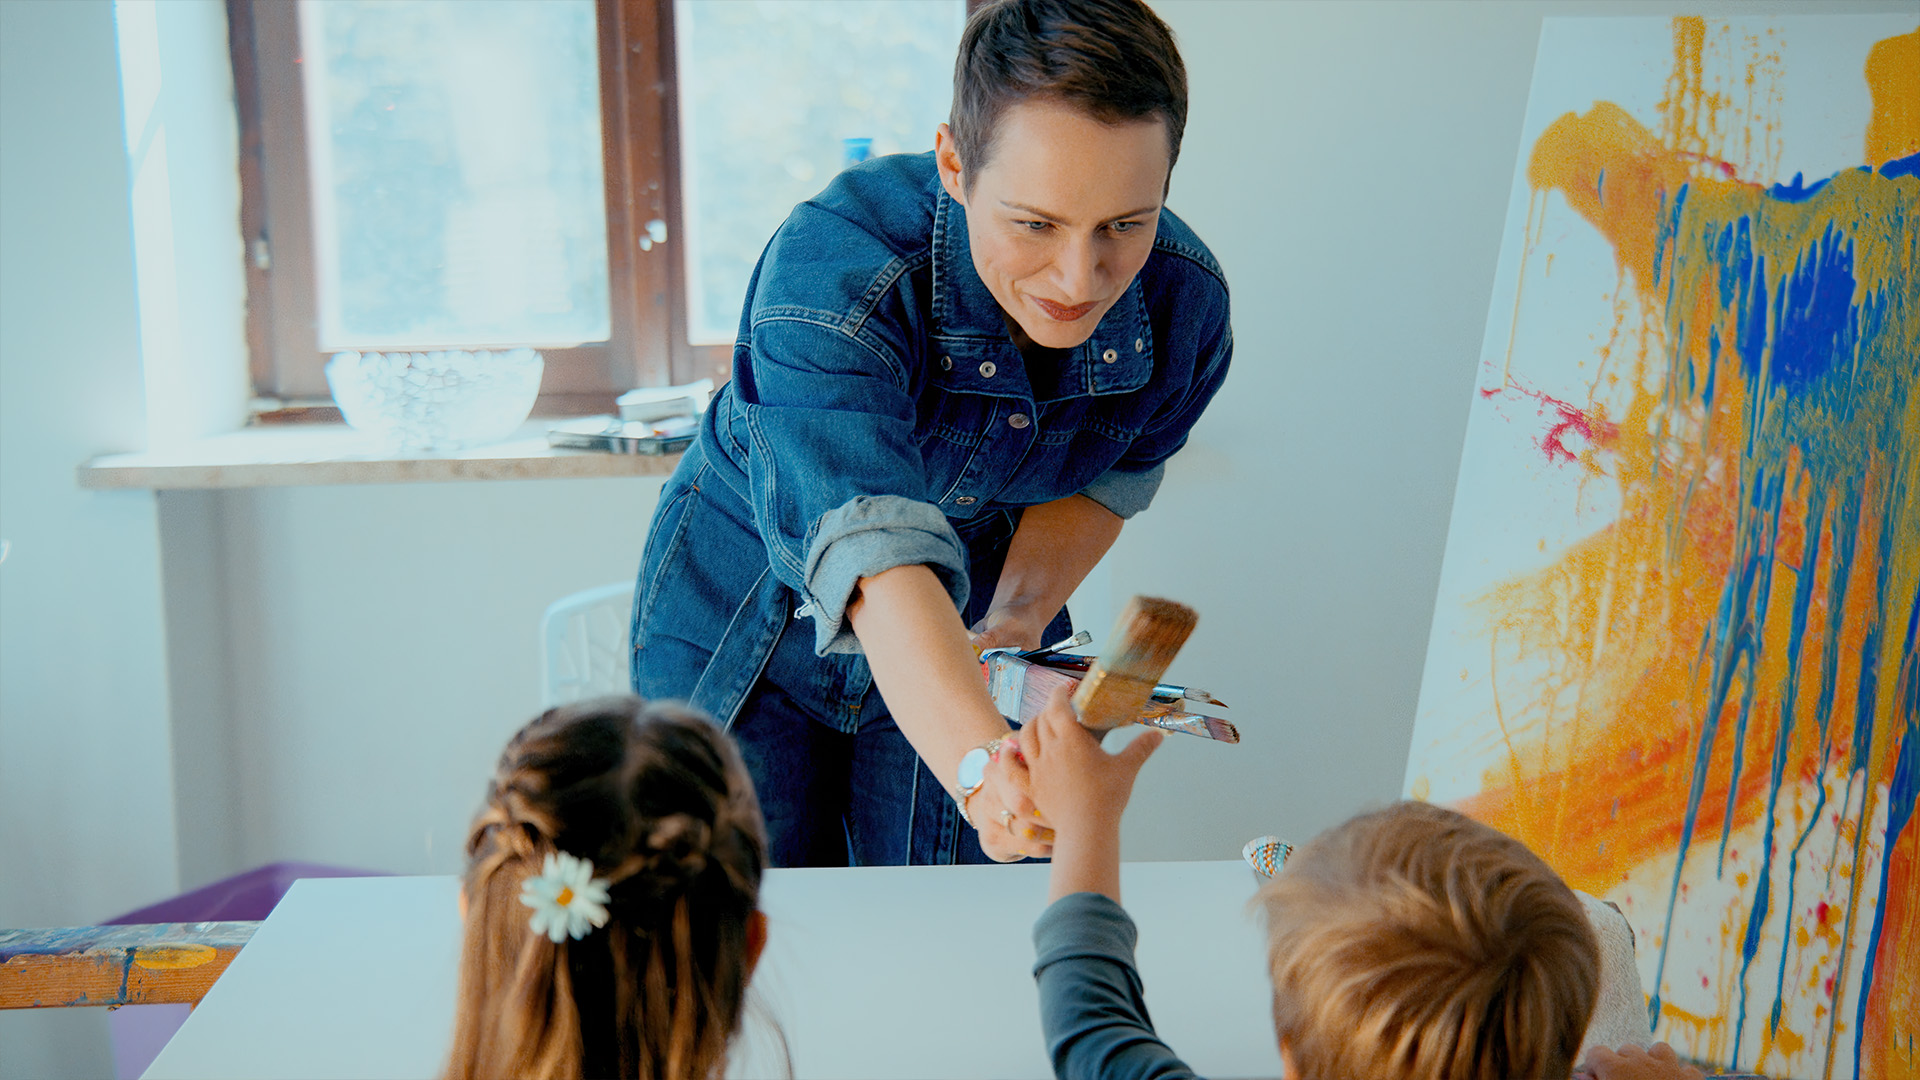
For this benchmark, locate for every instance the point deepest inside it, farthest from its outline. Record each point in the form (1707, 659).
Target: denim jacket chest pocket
(995, 431)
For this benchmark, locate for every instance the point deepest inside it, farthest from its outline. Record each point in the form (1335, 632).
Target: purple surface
(140, 1031)
(247, 897)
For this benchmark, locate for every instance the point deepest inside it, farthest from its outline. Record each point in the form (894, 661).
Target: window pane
(769, 91)
(457, 191)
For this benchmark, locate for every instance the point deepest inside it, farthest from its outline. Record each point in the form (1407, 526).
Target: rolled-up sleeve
(838, 486)
(1126, 493)
(864, 537)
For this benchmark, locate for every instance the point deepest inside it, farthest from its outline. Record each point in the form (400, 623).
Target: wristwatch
(972, 774)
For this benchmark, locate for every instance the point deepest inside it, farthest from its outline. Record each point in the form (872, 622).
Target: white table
(886, 972)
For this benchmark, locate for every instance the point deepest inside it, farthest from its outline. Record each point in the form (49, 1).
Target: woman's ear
(756, 939)
(946, 158)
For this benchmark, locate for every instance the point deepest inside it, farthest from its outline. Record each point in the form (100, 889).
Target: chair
(584, 644)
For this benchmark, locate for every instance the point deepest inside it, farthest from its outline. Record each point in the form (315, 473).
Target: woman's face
(1062, 216)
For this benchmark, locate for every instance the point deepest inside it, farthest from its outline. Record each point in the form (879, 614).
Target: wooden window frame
(647, 345)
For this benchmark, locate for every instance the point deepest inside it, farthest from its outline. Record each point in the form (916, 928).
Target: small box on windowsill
(665, 402)
(613, 435)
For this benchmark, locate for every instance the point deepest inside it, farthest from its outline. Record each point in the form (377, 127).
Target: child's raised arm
(1092, 1003)
(1081, 791)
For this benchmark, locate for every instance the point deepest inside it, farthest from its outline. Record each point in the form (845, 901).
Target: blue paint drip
(1664, 232)
(1750, 326)
(1768, 485)
(1794, 192)
(1734, 253)
(1713, 365)
(1763, 889)
(1898, 167)
(1696, 788)
(1817, 322)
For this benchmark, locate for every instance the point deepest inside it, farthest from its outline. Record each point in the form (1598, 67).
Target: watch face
(973, 769)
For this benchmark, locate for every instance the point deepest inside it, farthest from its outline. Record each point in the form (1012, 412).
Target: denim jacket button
(1110, 356)
(1139, 344)
(964, 500)
(987, 369)
(1018, 420)
(946, 363)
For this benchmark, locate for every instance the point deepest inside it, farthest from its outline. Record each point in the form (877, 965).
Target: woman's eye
(1035, 226)
(1124, 227)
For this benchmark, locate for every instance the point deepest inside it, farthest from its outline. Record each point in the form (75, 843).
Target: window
(487, 174)
(436, 174)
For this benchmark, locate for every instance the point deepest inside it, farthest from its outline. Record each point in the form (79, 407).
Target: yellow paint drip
(172, 957)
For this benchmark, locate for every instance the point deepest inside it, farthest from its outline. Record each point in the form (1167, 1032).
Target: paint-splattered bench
(147, 964)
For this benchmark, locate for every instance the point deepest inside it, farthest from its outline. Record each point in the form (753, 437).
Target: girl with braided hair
(610, 899)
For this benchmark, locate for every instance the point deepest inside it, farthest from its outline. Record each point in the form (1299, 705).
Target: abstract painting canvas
(1674, 649)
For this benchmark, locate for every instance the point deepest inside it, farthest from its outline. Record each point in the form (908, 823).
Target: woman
(957, 374)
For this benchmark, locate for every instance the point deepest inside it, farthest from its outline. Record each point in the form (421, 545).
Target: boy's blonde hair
(1417, 943)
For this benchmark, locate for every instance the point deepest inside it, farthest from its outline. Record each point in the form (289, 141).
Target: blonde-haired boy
(1409, 942)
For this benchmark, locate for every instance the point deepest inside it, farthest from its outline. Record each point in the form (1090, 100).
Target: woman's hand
(1010, 826)
(1008, 628)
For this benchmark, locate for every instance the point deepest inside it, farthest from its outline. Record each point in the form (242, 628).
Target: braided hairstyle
(658, 799)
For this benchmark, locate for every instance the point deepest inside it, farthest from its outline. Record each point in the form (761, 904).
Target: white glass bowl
(442, 400)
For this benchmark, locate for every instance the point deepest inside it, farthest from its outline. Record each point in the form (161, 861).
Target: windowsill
(315, 454)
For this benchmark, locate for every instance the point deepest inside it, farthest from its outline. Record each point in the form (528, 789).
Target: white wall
(86, 792)
(376, 646)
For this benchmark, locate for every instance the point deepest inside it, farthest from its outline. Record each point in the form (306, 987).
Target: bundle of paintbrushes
(1118, 687)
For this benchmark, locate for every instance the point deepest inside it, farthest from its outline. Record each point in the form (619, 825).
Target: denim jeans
(838, 798)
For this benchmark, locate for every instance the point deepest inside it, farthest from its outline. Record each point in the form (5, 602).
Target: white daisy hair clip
(567, 900)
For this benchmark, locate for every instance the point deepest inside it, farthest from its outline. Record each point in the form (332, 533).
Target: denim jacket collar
(970, 330)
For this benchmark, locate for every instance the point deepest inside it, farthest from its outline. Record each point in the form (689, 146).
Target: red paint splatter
(1829, 986)
(1821, 912)
(1566, 418)
(1703, 982)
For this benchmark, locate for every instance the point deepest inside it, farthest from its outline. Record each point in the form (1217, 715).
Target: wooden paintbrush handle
(1145, 639)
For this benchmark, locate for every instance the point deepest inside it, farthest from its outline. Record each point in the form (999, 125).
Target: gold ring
(1006, 818)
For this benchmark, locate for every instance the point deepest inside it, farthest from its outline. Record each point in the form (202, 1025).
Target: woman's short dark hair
(1113, 58)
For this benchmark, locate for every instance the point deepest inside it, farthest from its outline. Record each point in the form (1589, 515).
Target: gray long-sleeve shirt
(1091, 1003)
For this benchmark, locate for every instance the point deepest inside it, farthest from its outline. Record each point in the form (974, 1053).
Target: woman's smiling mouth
(1062, 312)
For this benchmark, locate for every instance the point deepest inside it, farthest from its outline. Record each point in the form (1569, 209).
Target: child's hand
(1081, 790)
(1657, 1062)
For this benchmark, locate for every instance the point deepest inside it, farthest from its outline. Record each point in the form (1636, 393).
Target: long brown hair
(658, 799)
(1415, 942)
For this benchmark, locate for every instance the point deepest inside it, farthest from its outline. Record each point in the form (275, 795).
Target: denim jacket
(879, 415)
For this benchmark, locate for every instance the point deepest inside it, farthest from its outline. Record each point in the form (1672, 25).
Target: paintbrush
(1145, 639)
(1020, 689)
(1166, 692)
